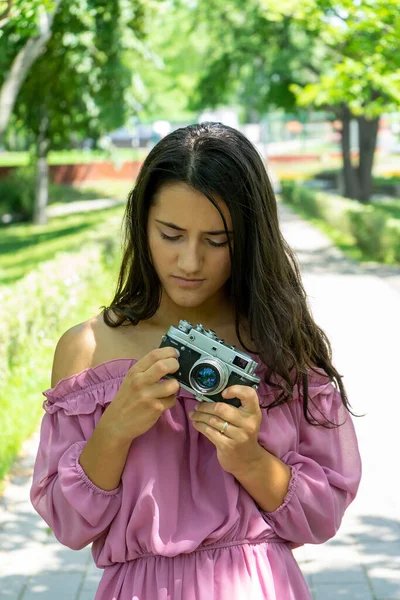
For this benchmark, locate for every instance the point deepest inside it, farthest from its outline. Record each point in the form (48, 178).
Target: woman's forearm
(266, 480)
(103, 458)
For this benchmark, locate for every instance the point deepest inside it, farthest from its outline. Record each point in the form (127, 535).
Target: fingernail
(177, 352)
(191, 413)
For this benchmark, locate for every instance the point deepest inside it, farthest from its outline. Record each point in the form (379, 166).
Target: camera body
(207, 364)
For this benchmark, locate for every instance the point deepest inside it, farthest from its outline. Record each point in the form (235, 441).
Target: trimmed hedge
(36, 311)
(374, 232)
(17, 194)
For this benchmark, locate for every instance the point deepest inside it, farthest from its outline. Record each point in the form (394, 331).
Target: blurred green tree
(167, 76)
(80, 86)
(25, 29)
(341, 56)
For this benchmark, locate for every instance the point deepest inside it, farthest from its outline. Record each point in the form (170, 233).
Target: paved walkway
(358, 307)
(82, 206)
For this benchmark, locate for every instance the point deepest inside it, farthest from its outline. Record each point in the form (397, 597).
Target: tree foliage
(310, 52)
(26, 29)
(168, 73)
(342, 56)
(20, 21)
(81, 80)
(80, 85)
(359, 43)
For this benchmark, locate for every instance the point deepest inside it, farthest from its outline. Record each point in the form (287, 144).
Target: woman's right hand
(142, 398)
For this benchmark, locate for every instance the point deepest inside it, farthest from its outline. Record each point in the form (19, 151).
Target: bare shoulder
(93, 342)
(74, 351)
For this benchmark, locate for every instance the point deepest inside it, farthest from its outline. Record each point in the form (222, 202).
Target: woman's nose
(190, 260)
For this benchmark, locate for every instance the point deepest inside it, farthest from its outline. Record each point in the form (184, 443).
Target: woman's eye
(168, 237)
(178, 237)
(220, 245)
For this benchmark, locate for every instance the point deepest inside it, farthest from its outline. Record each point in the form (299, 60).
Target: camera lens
(208, 376)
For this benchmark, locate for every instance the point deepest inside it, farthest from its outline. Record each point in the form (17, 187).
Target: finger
(204, 421)
(159, 370)
(168, 401)
(156, 371)
(163, 389)
(225, 412)
(216, 437)
(145, 363)
(247, 395)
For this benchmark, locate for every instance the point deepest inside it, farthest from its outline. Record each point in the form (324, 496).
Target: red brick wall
(128, 170)
(4, 171)
(88, 172)
(291, 158)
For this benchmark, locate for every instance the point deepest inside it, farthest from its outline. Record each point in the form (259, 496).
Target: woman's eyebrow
(173, 226)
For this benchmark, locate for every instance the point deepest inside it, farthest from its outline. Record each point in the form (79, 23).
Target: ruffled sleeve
(75, 509)
(326, 471)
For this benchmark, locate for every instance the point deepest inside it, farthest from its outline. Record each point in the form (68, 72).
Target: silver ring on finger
(223, 428)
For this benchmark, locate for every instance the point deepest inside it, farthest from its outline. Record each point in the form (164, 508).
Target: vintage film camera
(207, 364)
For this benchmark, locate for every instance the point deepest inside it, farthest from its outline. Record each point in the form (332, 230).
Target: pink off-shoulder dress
(178, 527)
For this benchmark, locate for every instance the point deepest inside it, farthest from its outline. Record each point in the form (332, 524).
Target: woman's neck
(218, 314)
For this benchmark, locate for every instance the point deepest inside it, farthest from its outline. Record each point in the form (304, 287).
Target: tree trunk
(21, 65)
(368, 133)
(349, 172)
(5, 15)
(42, 172)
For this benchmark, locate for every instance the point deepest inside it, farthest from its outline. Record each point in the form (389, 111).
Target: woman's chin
(188, 300)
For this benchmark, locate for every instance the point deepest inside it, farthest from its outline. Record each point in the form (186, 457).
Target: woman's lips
(188, 283)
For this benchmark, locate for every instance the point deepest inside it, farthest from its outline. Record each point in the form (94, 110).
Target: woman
(184, 499)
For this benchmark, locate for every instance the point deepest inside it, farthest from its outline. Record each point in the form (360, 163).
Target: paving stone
(32, 559)
(333, 562)
(385, 580)
(12, 587)
(87, 595)
(54, 585)
(342, 591)
(92, 579)
(82, 206)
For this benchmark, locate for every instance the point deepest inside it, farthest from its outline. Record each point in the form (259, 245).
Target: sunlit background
(88, 87)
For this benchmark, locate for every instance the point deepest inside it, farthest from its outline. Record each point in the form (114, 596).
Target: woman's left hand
(238, 447)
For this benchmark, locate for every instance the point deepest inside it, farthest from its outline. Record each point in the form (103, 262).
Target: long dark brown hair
(265, 285)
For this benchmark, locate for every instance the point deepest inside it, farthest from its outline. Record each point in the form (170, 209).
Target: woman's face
(188, 245)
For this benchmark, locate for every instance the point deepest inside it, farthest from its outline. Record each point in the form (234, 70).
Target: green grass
(23, 247)
(391, 206)
(14, 159)
(63, 157)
